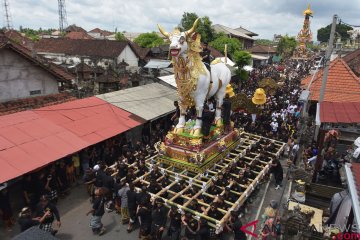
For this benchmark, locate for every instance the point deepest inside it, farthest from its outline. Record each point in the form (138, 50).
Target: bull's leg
(181, 124)
(199, 104)
(219, 102)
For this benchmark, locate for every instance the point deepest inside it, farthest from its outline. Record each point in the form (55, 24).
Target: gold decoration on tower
(308, 11)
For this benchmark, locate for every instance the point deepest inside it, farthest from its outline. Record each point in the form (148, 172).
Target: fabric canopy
(339, 112)
(32, 139)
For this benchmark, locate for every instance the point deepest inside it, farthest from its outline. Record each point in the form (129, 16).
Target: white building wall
(19, 76)
(129, 57)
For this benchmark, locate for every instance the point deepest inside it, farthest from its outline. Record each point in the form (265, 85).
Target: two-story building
(243, 35)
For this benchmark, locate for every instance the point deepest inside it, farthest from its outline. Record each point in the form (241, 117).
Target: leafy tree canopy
(149, 40)
(204, 27)
(233, 45)
(120, 37)
(242, 58)
(265, 42)
(286, 46)
(323, 34)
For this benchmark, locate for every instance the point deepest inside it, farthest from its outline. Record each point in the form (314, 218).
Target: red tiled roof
(102, 32)
(261, 49)
(18, 38)
(82, 47)
(35, 138)
(78, 35)
(342, 84)
(33, 102)
(74, 28)
(353, 60)
(140, 51)
(340, 112)
(215, 53)
(58, 72)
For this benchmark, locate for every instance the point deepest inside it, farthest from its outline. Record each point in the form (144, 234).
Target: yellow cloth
(124, 214)
(76, 160)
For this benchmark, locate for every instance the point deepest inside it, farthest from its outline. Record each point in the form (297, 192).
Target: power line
(347, 24)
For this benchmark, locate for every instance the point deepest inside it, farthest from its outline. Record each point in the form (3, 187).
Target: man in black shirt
(155, 173)
(29, 193)
(154, 186)
(191, 226)
(206, 56)
(226, 110)
(132, 206)
(159, 216)
(238, 233)
(144, 213)
(175, 223)
(98, 210)
(44, 207)
(204, 232)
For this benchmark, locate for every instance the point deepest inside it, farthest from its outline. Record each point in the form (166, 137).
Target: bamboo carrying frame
(202, 180)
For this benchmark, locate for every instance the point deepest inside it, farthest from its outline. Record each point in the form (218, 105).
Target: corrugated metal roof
(148, 101)
(157, 63)
(32, 139)
(169, 79)
(227, 30)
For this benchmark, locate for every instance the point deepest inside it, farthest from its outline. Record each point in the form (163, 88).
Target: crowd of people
(109, 169)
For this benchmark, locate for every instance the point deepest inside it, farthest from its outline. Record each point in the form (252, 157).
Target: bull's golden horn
(192, 30)
(163, 32)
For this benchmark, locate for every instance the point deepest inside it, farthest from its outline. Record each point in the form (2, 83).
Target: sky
(265, 17)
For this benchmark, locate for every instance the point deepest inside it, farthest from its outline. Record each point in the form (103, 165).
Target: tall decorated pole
(305, 35)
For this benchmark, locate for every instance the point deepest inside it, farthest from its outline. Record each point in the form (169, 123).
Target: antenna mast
(8, 23)
(62, 16)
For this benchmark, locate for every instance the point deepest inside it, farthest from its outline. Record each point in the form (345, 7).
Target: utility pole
(8, 23)
(327, 59)
(62, 16)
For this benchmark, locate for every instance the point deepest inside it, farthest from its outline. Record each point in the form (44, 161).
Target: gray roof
(247, 32)
(220, 28)
(148, 101)
(158, 63)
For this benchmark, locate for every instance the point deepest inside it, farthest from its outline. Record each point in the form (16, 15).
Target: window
(35, 92)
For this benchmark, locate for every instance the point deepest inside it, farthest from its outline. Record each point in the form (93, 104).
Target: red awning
(32, 139)
(340, 112)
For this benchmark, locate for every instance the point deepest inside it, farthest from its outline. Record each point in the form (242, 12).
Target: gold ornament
(259, 97)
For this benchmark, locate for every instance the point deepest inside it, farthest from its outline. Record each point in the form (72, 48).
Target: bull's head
(178, 40)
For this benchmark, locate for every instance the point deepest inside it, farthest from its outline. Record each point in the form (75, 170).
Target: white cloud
(265, 17)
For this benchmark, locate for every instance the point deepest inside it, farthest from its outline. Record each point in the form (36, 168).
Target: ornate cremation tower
(304, 36)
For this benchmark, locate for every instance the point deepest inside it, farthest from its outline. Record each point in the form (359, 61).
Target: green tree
(120, 37)
(149, 40)
(242, 58)
(265, 42)
(204, 27)
(233, 45)
(286, 46)
(323, 34)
